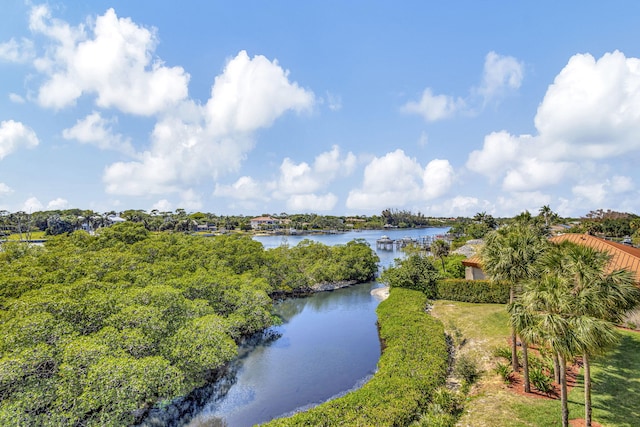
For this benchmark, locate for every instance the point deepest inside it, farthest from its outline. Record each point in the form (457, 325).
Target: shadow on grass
(616, 384)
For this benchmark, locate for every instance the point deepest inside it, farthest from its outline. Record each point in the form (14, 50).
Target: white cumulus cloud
(302, 185)
(17, 99)
(251, 93)
(592, 109)
(589, 114)
(58, 204)
(211, 140)
(112, 58)
(98, 131)
(296, 178)
(163, 205)
(245, 188)
(499, 151)
(434, 107)
(311, 202)
(14, 135)
(396, 179)
(32, 204)
(501, 74)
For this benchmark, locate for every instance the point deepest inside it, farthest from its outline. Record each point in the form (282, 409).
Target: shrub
(415, 272)
(540, 380)
(467, 368)
(504, 352)
(505, 371)
(476, 291)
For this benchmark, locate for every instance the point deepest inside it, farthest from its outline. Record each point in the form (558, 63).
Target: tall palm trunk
(587, 389)
(525, 366)
(514, 345)
(514, 351)
(563, 391)
(556, 368)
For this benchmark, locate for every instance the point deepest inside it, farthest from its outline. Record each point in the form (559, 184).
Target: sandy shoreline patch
(381, 293)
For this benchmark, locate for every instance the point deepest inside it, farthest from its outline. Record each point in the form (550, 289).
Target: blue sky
(332, 107)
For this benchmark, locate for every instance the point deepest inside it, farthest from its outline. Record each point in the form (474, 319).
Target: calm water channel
(326, 346)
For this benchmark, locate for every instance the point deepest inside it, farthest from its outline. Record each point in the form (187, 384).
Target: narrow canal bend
(327, 345)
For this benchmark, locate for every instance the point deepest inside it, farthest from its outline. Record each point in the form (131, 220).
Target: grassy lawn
(34, 235)
(616, 377)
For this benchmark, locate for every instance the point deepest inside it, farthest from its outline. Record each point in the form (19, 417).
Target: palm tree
(547, 214)
(440, 249)
(593, 301)
(600, 300)
(510, 254)
(546, 302)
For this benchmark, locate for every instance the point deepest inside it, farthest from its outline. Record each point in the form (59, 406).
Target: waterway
(370, 236)
(327, 345)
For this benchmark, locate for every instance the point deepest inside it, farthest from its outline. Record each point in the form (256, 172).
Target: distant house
(622, 256)
(203, 228)
(264, 222)
(473, 268)
(113, 219)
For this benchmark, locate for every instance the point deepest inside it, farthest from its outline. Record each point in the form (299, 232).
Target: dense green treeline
(411, 369)
(94, 329)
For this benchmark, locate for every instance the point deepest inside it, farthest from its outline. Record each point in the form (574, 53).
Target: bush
(504, 352)
(540, 380)
(505, 371)
(467, 368)
(475, 291)
(414, 272)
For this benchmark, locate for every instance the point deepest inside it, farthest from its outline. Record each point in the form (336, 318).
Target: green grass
(615, 377)
(486, 322)
(616, 385)
(34, 235)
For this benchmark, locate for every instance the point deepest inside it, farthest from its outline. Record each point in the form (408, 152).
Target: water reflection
(328, 345)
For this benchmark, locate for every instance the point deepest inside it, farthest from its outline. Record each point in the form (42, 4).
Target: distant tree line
(610, 224)
(404, 219)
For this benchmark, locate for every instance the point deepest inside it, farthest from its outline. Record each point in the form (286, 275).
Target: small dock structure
(387, 244)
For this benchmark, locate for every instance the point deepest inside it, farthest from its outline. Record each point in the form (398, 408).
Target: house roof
(263, 218)
(473, 261)
(622, 256)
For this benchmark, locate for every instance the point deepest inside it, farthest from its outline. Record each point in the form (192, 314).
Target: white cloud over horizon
(298, 183)
(591, 113)
(396, 179)
(211, 140)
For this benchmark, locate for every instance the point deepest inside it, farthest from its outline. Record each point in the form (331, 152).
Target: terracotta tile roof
(622, 256)
(473, 261)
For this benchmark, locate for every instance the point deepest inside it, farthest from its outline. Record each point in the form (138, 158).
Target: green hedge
(478, 291)
(413, 364)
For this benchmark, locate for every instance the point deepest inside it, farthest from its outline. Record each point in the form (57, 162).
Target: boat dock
(387, 244)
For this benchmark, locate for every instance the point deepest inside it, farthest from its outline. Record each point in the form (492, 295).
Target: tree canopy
(94, 329)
